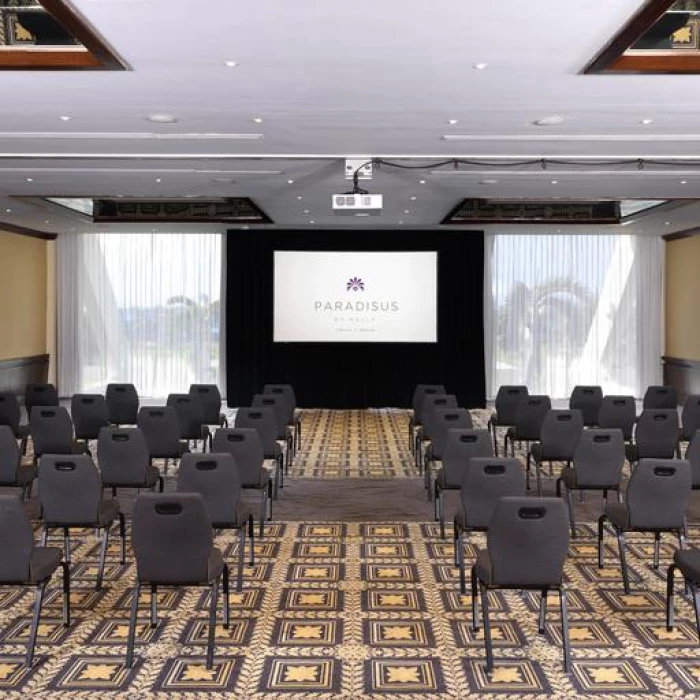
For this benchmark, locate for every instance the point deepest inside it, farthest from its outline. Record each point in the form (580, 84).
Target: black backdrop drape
(355, 375)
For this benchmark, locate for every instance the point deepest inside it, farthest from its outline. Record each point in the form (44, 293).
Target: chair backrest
(9, 410)
(560, 433)
(245, 446)
(16, 541)
(446, 419)
(692, 455)
(461, 447)
(530, 415)
(190, 415)
(70, 489)
(279, 407)
(690, 417)
(40, 395)
(599, 457)
(123, 456)
(419, 393)
(172, 538)
(507, 400)
(658, 493)
(10, 455)
(618, 412)
(161, 427)
(527, 541)
(432, 403)
(123, 403)
(485, 482)
(660, 397)
(263, 420)
(209, 398)
(286, 391)
(51, 429)
(90, 415)
(217, 478)
(588, 400)
(656, 434)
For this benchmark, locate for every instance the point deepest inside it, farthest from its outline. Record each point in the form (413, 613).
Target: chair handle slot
(664, 471)
(156, 414)
(564, 418)
(47, 413)
(619, 402)
(120, 437)
(168, 508)
(601, 438)
(531, 513)
(467, 438)
(494, 469)
(235, 438)
(206, 465)
(64, 466)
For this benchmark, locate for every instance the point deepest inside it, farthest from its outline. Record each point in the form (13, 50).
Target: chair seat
(43, 562)
(107, 511)
(540, 455)
(178, 450)
(688, 561)
(618, 514)
(570, 478)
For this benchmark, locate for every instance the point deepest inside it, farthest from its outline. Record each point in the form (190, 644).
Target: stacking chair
(431, 404)
(174, 546)
(444, 420)
(70, 493)
(124, 460)
(687, 561)
(588, 400)
(657, 495)
(40, 395)
(123, 404)
(217, 479)
(660, 397)
(161, 427)
(597, 466)
(12, 471)
(90, 414)
(52, 432)
(210, 398)
(279, 407)
(527, 543)
(529, 416)
(559, 436)
(692, 455)
(618, 412)
(461, 446)
(507, 401)
(690, 420)
(244, 445)
(415, 421)
(655, 436)
(190, 415)
(288, 391)
(485, 482)
(10, 414)
(263, 420)
(23, 564)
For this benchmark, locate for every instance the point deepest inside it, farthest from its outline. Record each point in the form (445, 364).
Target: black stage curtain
(355, 375)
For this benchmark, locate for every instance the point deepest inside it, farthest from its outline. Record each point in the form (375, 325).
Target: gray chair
(618, 412)
(507, 401)
(161, 427)
(90, 414)
(559, 436)
(288, 391)
(657, 496)
(12, 471)
(529, 416)
(124, 460)
(244, 445)
(690, 419)
(444, 420)
(461, 446)
(687, 561)
(209, 397)
(597, 466)
(23, 564)
(216, 477)
(485, 482)
(190, 415)
(263, 420)
(280, 408)
(40, 394)
(70, 493)
(588, 400)
(692, 455)
(415, 420)
(655, 436)
(174, 546)
(122, 403)
(660, 397)
(51, 428)
(526, 547)
(10, 414)
(431, 404)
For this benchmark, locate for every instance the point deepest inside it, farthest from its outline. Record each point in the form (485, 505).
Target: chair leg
(44, 536)
(132, 625)
(241, 558)
(436, 505)
(621, 546)
(161, 484)
(225, 586)
(565, 629)
(212, 623)
(103, 556)
(572, 514)
(154, 606)
(122, 535)
(696, 604)
(538, 476)
(601, 550)
(475, 597)
(657, 547)
(543, 611)
(487, 628)
(460, 563)
(66, 544)
(669, 596)
(455, 541)
(527, 472)
(66, 594)
(495, 440)
(38, 602)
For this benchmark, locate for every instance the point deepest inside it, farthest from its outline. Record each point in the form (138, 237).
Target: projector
(357, 203)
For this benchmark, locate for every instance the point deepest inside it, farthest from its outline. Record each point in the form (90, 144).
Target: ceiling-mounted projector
(353, 203)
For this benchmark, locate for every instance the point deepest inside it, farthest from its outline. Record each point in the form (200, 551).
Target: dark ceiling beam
(6, 227)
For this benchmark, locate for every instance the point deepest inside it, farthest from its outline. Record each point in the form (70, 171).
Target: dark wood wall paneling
(15, 374)
(682, 375)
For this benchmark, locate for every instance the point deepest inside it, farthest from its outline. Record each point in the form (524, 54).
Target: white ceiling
(375, 79)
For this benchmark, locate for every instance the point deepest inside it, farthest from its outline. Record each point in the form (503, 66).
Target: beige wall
(683, 298)
(23, 283)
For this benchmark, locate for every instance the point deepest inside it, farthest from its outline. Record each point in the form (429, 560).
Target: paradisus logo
(356, 284)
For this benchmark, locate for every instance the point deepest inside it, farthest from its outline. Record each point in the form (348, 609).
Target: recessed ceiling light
(413, 199)
(480, 66)
(489, 181)
(422, 182)
(306, 211)
(361, 213)
(29, 179)
(452, 122)
(8, 210)
(667, 223)
(158, 179)
(162, 118)
(299, 198)
(647, 121)
(65, 118)
(312, 221)
(551, 120)
(47, 221)
(684, 182)
(257, 120)
(554, 182)
(406, 211)
(230, 64)
(400, 223)
(558, 230)
(290, 182)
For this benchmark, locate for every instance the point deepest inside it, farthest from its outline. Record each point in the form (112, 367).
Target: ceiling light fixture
(290, 182)
(257, 120)
(452, 122)
(162, 118)
(406, 211)
(312, 221)
(230, 64)
(554, 182)
(647, 121)
(480, 66)
(551, 120)
(488, 181)
(65, 118)
(422, 182)
(8, 211)
(413, 199)
(29, 179)
(684, 182)
(306, 211)
(299, 198)
(158, 179)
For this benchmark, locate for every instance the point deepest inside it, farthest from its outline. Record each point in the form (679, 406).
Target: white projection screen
(355, 297)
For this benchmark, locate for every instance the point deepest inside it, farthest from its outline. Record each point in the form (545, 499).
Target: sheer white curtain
(143, 308)
(562, 310)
